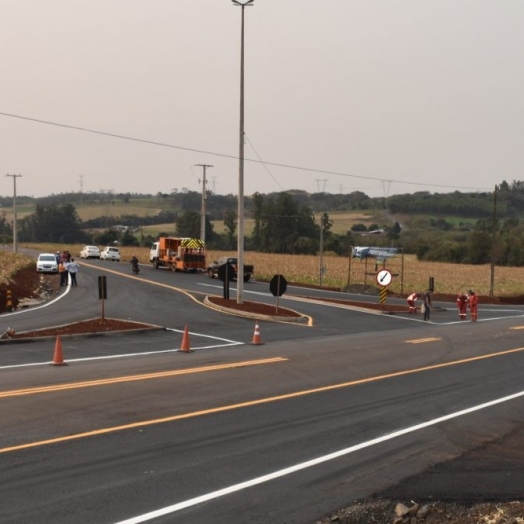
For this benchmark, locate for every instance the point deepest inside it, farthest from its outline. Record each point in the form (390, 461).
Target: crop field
(409, 274)
(11, 263)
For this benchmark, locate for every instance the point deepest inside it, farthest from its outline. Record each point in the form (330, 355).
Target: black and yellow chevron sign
(383, 295)
(192, 243)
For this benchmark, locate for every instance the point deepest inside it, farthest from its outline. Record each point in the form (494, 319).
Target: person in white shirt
(73, 268)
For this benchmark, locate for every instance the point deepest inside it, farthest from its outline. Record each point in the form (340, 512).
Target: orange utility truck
(178, 254)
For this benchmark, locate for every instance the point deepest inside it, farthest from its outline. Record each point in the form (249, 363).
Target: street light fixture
(240, 244)
(15, 246)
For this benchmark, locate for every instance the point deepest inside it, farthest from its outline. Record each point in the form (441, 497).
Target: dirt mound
(95, 325)
(28, 285)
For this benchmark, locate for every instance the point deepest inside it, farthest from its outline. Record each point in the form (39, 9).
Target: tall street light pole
(15, 246)
(240, 244)
(493, 237)
(204, 195)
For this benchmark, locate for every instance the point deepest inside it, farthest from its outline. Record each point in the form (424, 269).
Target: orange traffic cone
(257, 341)
(185, 347)
(58, 358)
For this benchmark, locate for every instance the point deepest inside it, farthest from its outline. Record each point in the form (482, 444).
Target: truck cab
(212, 270)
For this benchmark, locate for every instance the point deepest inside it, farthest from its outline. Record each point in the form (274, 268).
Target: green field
(141, 207)
(88, 212)
(155, 230)
(343, 220)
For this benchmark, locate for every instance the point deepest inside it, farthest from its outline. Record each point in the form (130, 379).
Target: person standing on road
(73, 268)
(411, 302)
(427, 305)
(62, 272)
(473, 304)
(462, 304)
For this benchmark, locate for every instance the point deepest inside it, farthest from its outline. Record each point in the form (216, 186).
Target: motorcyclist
(134, 264)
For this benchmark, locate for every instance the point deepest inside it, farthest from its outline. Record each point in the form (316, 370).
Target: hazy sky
(344, 95)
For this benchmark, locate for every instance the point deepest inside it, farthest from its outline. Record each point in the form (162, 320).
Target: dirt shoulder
(482, 486)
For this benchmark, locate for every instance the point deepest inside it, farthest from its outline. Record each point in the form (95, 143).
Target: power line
(223, 155)
(263, 163)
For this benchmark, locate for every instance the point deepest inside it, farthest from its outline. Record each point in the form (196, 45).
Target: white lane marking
(224, 343)
(310, 463)
(46, 304)
(320, 302)
(503, 310)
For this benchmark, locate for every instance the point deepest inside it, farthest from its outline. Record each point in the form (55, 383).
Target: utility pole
(203, 212)
(214, 184)
(322, 220)
(15, 246)
(323, 224)
(81, 182)
(493, 236)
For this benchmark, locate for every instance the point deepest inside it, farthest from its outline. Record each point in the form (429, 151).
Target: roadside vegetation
(13, 263)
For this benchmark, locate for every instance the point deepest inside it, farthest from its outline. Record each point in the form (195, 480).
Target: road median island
(85, 328)
(255, 310)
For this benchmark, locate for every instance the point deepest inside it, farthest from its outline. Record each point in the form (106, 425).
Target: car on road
(110, 253)
(46, 263)
(90, 252)
(212, 270)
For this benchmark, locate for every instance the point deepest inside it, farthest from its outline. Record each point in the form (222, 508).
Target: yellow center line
(421, 340)
(517, 327)
(131, 378)
(250, 403)
(152, 282)
(281, 320)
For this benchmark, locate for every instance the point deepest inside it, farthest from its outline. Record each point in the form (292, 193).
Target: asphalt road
(133, 430)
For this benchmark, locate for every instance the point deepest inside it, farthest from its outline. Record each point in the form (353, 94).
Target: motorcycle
(135, 268)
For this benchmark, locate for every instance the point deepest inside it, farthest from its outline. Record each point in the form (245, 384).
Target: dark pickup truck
(212, 270)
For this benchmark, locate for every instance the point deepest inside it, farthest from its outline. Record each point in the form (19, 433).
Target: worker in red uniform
(462, 304)
(411, 302)
(473, 305)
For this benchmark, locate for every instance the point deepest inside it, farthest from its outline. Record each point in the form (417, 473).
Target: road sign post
(226, 273)
(278, 286)
(383, 278)
(102, 294)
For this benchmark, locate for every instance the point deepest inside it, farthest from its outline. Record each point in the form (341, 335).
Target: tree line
(285, 222)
